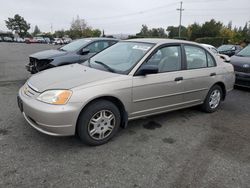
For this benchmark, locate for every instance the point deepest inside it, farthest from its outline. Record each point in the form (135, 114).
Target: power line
(134, 13)
(216, 9)
(140, 18)
(135, 21)
(180, 9)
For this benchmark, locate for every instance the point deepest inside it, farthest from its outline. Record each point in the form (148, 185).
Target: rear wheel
(213, 99)
(98, 123)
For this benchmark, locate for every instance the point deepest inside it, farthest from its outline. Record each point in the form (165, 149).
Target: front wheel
(98, 123)
(213, 99)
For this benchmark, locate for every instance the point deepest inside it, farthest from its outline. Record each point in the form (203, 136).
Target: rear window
(198, 58)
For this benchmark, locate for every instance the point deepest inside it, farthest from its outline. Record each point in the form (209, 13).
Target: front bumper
(30, 68)
(36, 65)
(55, 120)
(242, 79)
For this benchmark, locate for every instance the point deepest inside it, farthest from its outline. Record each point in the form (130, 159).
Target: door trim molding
(169, 95)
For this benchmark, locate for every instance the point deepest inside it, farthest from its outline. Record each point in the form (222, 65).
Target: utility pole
(51, 28)
(180, 9)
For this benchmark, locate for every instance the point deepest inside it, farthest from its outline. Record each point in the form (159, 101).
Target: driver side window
(167, 59)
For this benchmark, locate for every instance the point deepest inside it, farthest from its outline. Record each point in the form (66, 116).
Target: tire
(98, 122)
(210, 106)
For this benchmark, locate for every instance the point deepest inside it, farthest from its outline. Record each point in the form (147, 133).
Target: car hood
(47, 54)
(238, 60)
(67, 77)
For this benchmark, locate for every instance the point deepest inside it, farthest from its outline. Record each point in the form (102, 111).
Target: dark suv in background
(241, 63)
(75, 52)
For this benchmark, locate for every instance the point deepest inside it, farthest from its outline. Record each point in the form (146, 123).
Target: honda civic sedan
(129, 80)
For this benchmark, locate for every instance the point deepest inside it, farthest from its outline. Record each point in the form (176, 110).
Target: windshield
(245, 52)
(75, 45)
(121, 57)
(225, 47)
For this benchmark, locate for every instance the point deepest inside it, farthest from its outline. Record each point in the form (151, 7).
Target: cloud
(123, 16)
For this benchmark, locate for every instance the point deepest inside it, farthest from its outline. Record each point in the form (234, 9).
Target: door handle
(213, 74)
(178, 79)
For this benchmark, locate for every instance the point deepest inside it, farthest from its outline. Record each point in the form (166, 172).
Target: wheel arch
(115, 101)
(223, 87)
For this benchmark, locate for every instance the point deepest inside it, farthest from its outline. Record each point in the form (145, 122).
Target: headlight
(55, 96)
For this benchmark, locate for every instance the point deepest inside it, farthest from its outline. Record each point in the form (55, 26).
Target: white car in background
(40, 39)
(58, 41)
(67, 40)
(224, 57)
(18, 39)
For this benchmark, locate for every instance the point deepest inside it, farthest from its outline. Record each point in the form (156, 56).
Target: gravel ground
(185, 148)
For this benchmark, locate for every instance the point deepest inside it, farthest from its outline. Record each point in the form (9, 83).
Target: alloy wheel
(101, 124)
(214, 99)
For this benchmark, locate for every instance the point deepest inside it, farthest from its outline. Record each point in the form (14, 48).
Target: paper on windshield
(141, 47)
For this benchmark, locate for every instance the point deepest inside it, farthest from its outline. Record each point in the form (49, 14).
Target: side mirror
(147, 69)
(85, 51)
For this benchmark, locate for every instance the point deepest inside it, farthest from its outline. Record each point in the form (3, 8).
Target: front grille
(240, 68)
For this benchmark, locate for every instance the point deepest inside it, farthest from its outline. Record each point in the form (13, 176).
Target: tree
(59, 33)
(194, 31)
(36, 31)
(78, 25)
(87, 32)
(226, 33)
(144, 31)
(96, 33)
(245, 30)
(229, 25)
(154, 32)
(18, 24)
(211, 28)
(173, 32)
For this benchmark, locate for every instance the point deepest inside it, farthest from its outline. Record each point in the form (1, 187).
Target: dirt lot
(185, 148)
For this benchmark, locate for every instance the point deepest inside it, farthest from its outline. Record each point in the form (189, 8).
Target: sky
(123, 16)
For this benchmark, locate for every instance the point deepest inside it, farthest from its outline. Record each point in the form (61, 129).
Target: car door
(159, 92)
(200, 73)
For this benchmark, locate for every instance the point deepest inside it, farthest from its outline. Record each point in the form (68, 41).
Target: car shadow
(134, 127)
(242, 88)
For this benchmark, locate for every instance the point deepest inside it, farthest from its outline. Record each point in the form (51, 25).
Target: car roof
(160, 41)
(100, 38)
(207, 45)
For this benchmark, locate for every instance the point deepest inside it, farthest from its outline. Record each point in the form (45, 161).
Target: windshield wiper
(105, 66)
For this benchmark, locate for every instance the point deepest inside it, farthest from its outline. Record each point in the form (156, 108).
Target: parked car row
(6, 39)
(43, 40)
(61, 41)
(112, 82)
